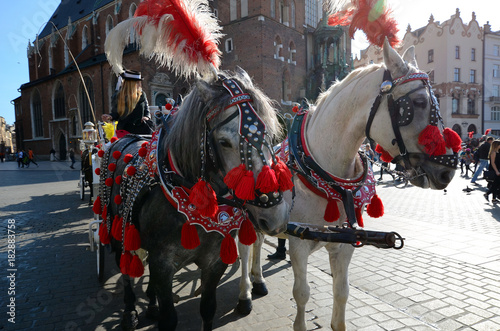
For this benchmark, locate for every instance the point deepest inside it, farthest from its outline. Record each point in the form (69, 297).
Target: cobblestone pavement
(447, 277)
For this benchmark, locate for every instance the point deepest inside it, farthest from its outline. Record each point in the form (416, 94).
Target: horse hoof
(259, 289)
(244, 307)
(153, 312)
(130, 320)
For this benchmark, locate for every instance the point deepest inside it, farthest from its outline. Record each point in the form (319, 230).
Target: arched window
(66, 52)
(455, 104)
(472, 128)
(458, 129)
(36, 114)
(85, 103)
(161, 99)
(293, 53)
(109, 24)
(292, 17)
(471, 105)
(131, 10)
(51, 60)
(85, 37)
(282, 12)
(59, 101)
(278, 49)
(273, 8)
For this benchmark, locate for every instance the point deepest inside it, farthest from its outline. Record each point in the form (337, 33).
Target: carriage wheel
(82, 187)
(100, 261)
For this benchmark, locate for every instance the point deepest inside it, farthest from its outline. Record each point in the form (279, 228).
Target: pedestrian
(494, 159)
(370, 155)
(280, 253)
(52, 154)
(483, 152)
(466, 159)
(20, 163)
(31, 157)
(129, 106)
(72, 157)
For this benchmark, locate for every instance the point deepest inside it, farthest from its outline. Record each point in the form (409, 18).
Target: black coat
(132, 122)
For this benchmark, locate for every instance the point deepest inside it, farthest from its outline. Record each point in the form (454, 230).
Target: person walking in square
(72, 157)
(31, 157)
(483, 152)
(494, 166)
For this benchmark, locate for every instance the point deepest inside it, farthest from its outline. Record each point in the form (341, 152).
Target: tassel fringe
(375, 209)
(189, 236)
(332, 212)
(247, 235)
(228, 251)
(204, 198)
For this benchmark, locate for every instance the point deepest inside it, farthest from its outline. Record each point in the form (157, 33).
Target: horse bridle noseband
(405, 118)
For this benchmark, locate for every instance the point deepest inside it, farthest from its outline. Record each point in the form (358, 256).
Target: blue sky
(23, 19)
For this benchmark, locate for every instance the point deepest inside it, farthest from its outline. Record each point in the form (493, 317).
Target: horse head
(235, 123)
(416, 138)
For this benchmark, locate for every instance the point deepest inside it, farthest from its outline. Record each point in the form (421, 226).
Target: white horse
(332, 133)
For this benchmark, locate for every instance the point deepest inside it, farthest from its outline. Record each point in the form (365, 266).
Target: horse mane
(184, 138)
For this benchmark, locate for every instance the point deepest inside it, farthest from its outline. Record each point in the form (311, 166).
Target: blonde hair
(493, 148)
(128, 97)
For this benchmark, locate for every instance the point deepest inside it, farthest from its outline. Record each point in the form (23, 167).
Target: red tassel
(104, 237)
(433, 141)
(104, 213)
(376, 208)
(100, 153)
(246, 187)
(98, 171)
(452, 139)
(283, 175)
(116, 155)
(145, 144)
(109, 181)
(116, 228)
(189, 236)
(131, 170)
(127, 158)
(471, 134)
(332, 212)
(359, 217)
(125, 262)
(136, 267)
(247, 235)
(266, 180)
(118, 180)
(96, 208)
(132, 240)
(204, 198)
(228, 252)
(385, 156)
(118, 199)
(112, 167)
(295, 109)
(234, 176)
(143, 151)
(113, 139)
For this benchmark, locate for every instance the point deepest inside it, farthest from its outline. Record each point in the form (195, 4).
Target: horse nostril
(446, 176)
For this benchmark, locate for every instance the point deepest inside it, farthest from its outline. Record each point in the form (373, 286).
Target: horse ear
(205, 90)
(409, 56)
(393, 61)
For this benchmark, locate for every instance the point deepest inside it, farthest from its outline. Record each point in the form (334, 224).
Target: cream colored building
(7, 145)
(451, 53)
(491, 80)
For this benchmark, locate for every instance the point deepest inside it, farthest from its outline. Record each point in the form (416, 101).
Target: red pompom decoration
(118, 199)
(113, 139)
(266, 180)
(127, 158)
(359, 217)
(384, 155)
(246, 187)
(376, 208)
(283, 175)
(104, 237)
(452, 139)
(332, 212)
(104, 214)
(136, 268)
(142, 152)
(109, 181)
(168, 106)
(116, 155)
(433, 141)
(487, 132)
(204, 198)
(132, 240)
(100, 153)
(471, 134)
(98, 171)
(228, 251)
(247, 235)
(189, 236)
(96, 208)
(145, 144)
(131, 170)
(125, 262)
(116, 228)
(234, 176)
(295, 109)
(112, 167)
(118, 180)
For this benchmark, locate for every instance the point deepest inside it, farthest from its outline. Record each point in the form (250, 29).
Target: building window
(273, 8)
(473, 54)
(496, 70)
(456, 74)
(66, 54)
(85, 37)
(430, 56)
(233, 10)
(293, 53)
(495, 113)
(109, 24)
(496, 50)
(229, 45)
(278, 49)
(59, 102)
(472, 76)
(457, 52)
(244, 8)
(471, 105)
(282, 12)
(496, 91)
(131, 10)
(161, 99)
(86, 105)
(455, 105)
(312, 13)
(292, 18)
(36, 108)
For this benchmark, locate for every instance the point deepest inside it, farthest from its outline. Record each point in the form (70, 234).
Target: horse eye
(225, 143)
(420, 102)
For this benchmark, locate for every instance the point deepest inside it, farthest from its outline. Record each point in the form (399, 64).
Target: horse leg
(259, 283)
(163, 292)
(153, 311)
(130, 318)
(210, 277)
(299, 254)
(244, 306)
(340, 257)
